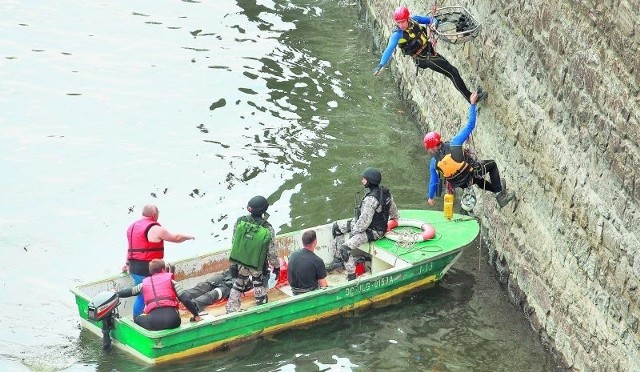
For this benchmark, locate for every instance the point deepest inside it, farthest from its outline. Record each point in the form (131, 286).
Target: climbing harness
(456, 25)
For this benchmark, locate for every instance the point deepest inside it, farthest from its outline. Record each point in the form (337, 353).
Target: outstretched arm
(462, 136)
(424, 20)
(164, 234)
(388, 52)
(129, 292)
(433, 181)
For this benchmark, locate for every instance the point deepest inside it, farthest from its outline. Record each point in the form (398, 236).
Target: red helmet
(432, 140)
(401, 13)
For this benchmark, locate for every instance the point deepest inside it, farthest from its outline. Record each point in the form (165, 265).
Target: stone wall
(563, 124)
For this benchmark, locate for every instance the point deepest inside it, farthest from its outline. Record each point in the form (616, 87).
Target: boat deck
(413, 253)
(382, 254)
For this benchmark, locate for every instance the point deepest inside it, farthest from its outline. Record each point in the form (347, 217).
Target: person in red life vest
(146, 239)
(161, 295)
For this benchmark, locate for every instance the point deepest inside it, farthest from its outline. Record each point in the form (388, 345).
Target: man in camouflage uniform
(370, 224)
(253, 245)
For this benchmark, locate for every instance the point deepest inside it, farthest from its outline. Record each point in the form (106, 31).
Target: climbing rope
(484, 185)
(455, 24)
(431, 33)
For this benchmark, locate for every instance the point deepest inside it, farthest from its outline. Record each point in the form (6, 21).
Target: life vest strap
(146, 250)
(158, 299)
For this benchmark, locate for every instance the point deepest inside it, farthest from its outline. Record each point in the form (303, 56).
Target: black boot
(351, 277)
(262, 300)
(482, 95)
(335, 264)
(504, 196)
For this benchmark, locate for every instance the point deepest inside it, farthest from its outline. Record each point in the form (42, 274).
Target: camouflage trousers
(259, 288)
(354, 241)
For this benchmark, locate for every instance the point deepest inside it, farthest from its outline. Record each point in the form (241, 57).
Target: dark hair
(308, 237)
(156, 265)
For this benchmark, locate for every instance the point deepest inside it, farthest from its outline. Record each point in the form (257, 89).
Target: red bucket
(360, 268)
(282, 279)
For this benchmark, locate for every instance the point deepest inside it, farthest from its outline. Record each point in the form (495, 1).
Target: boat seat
(381, 259)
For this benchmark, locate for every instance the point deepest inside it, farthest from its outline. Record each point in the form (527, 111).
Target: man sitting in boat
(161, 295)
(306, 270)
(458, 168)
(215, 288)
(253, 244)
(372, 215)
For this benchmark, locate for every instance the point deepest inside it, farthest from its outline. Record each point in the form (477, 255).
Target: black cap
(258, 205)
(372, 175)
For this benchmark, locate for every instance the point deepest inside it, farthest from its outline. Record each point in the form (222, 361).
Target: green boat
(393, 267)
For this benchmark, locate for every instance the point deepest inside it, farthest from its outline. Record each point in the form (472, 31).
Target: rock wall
(563, 124)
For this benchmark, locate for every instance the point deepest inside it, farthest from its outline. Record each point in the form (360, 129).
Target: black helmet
(258, 205)
(372, 175)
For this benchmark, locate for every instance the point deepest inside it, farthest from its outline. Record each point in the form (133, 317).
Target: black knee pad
(335, 230)
(237, 287)
(261, 281)
(345, 252)
(262, 300)
(240, 282)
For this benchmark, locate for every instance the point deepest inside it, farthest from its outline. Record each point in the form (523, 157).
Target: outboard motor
(104, 307)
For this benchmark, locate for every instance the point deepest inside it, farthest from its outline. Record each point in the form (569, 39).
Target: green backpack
(250, 243)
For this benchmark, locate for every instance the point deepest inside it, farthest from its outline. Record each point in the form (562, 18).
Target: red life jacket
(157, 291)
(140, 248)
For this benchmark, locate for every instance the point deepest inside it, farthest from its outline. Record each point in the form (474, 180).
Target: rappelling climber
(460, 169)
(411, 36)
